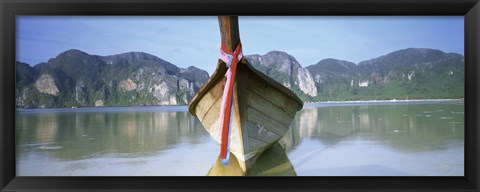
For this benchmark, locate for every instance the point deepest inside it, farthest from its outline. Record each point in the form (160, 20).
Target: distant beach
(380, 102)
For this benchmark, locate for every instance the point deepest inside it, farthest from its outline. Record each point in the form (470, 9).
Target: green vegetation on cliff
(77, 79)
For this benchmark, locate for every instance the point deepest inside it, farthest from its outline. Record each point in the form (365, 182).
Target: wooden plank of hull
(206, 89)
(261, 115)
(257, 118)
(211, 121)
(209, 100)
(273, 112)
(272, 95)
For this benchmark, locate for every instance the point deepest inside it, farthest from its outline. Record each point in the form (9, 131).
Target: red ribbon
(231, 59)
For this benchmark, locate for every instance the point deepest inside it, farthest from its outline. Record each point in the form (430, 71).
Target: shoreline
(372, 102)
(392, 100)
(167, 108)
(153, 108)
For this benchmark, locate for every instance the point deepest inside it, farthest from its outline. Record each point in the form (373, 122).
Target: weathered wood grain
(263, 109)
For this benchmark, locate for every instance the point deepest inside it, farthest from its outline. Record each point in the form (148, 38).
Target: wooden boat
(262, 109)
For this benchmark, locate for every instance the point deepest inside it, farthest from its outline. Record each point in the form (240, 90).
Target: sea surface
(415, 138)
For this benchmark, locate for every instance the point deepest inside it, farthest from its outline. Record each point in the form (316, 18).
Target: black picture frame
(470, 9)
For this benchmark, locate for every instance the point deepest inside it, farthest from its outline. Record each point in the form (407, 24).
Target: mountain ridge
(77, 79)
(411, 73)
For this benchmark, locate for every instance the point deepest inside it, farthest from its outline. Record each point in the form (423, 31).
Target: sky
(195, 40)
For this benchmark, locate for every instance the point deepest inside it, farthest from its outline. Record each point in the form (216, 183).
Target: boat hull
(262, 111)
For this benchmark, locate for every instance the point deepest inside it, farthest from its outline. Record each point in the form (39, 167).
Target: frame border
(470, 9)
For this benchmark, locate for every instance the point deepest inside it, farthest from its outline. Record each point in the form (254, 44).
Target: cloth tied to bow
(231, 59)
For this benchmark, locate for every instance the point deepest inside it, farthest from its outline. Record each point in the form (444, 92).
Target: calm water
(380, 139)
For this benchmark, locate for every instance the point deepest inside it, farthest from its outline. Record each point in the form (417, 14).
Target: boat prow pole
(231, 54)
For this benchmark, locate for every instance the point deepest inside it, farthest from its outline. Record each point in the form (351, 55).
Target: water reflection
(272, 162)
(84, 135)
(402, 127)
(322, 140)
